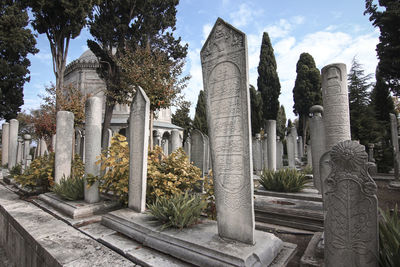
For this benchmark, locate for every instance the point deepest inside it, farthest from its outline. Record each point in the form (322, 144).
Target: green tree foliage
(16, 42)
(61, 21)
(130, 24)
(381, 99)
(358, 86)
(306, 91)
(268, 81)
(182, 119)
(281, 123)
(387, 18)
(200, 117)
(256, 110)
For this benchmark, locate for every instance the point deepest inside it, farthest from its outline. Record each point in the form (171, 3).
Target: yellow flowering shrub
(166, 175)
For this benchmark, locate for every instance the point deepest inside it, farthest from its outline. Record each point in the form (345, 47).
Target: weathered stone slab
(187, 147)
(290, 145)
(257, 154)
(351, 222)
(77, 209)
(225, 78)
(20, 148)
(5, 131)
(279, 153)
(175, 140)
(64, 135)
(395, 144)
(138, 150)
(27, 147)
(93, 120)
(199, 244)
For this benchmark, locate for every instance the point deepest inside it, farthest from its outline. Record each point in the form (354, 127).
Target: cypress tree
(268, 81)
(256, 110)
(306, 91)
(200, 117)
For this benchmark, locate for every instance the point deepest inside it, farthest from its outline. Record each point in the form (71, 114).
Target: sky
(331, 31)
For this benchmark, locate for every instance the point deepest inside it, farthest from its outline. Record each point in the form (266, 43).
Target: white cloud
(244, 15)
(206, 31)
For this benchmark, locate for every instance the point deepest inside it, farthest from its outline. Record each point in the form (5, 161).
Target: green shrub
(209, 197)
(166, 175)
(389, 238)
(70, 189)
(179, 210)
(16, 170)
(41, 172)
(307, 170)
(283, 180)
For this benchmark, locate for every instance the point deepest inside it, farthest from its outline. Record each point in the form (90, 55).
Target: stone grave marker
(198, 150)
(64, 136)
(290, 145)
(175, 140)
(395, 144)
(27, 146)
(271, 131)
(279, 153)
(265, 151)
(187, 147)
(20, 149)
(351, 221)
(257, 154)
(225, 78)
(4, 143)
(138, 150)
(13, 143)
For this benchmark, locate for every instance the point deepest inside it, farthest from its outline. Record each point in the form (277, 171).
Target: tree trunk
(151, 130)
(107, 121)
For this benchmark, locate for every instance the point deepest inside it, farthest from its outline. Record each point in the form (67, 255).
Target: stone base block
(313, 257)
(200, 244)
(78, 209)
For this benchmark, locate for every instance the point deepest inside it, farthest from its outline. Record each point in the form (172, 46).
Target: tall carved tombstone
(93, 120)
(317, 138)
(5, 131)
(271, 130)
(43, 147)
(336, 110)
(293, 132)
(395, 144)
(138, 150)
(225, 79)
(13, 143)
(198, 150)
(20, 149)
(64, 135)
(351, 222)
(206, 155)
(290, 145)
(187, 147)
(175, 140)
(27, 146)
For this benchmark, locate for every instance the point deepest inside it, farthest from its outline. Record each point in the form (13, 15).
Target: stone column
(271, 131)
(20, 149)
(317, 138)
(279, 153)
(64, 135)
(157, 139)
(290, 150)
(257, 154)
(4, 143)
(309, 156)
(13, 144)
(225, 77)
(395, 144)
(265, 151)
(371, 152)
(187, 147)
(175, 140)
(93, 120)
(336, 104)
(138, 150)
(27, 146)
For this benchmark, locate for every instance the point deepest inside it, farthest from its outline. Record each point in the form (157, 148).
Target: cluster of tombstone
(340, 165)
(15, 149)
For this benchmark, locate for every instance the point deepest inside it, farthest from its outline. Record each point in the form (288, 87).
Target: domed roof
(88, 56)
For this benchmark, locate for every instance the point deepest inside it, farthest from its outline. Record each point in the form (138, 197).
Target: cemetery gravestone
(12, 143)
(20, 149)
(395, 144)
(198, 150)
(271, 131)
(351, 222)
(265, 151)
(175, 140)
(225, 78)
(138, 150)
(27, 144)
(4, 143)
(279, 153)
(64, 136)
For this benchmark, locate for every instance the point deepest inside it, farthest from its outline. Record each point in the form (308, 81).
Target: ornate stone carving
(351, 222)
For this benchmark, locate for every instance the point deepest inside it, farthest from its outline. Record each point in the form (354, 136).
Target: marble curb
(199, 245)
(300, 196)
(77, 209)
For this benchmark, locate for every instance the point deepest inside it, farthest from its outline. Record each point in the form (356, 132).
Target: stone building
(81, 73)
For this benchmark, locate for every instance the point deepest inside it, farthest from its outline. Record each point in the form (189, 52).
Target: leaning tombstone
(13, 143)
(5, 131)
(351, 221)
(138, 150)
